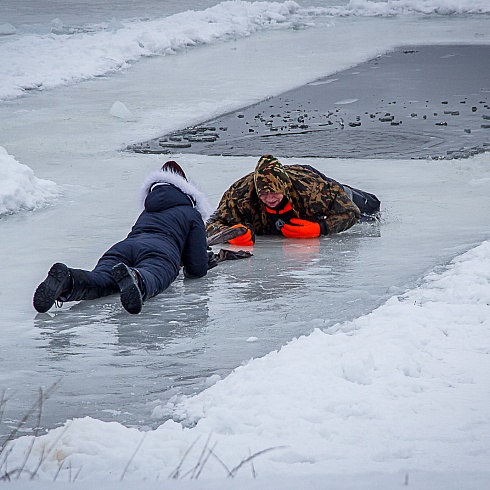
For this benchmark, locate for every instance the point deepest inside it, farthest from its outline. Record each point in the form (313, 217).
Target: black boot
(127, 280)
(55, 285)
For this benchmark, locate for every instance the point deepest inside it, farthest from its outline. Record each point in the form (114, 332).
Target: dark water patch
(417, 102)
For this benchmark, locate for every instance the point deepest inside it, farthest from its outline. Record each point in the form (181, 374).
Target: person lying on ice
(168, 234)
(296, 201)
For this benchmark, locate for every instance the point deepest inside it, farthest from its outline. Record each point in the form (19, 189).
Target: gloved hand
(212, 259)
(301, 228)
(245, 240)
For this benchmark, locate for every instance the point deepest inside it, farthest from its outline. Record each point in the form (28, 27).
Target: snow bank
(372, 8)
(405, 388)
(66, 56)
(47, 61)
(20, 189)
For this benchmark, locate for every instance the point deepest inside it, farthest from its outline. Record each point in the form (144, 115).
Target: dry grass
(33, 418)
(34, 413)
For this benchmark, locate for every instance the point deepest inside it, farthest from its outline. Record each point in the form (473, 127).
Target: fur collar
(187, 187)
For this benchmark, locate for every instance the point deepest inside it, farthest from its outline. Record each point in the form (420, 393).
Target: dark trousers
(157, 269)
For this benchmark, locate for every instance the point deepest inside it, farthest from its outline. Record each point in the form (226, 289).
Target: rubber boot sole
(51, 288)
(131, 298)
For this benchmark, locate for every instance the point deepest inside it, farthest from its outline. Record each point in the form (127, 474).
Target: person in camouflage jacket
(296, 201)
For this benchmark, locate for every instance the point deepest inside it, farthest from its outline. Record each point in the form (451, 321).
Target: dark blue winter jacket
(168, 234)
(172, 223)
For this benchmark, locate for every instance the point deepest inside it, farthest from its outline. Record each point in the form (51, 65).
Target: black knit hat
(174, 167)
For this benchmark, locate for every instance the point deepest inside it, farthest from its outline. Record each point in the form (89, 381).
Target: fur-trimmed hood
(187, 187)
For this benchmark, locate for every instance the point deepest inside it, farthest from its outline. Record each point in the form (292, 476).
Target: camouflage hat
(271, 176)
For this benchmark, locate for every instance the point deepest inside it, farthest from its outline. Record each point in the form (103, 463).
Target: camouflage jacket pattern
(312, 197)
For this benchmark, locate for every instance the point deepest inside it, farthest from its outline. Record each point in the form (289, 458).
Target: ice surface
(410, 376)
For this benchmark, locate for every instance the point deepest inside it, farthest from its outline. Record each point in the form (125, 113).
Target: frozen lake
(113, 366)
(116, 367)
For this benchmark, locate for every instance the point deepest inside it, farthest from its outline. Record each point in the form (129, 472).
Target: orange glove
(301, 228)
(245, 240)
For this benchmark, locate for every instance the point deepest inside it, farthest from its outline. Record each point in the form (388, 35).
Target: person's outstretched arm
(195, 254)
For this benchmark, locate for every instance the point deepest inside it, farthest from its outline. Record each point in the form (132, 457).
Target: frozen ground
(133, 370)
